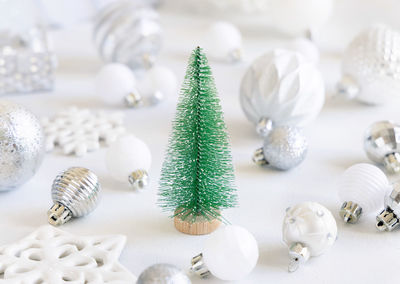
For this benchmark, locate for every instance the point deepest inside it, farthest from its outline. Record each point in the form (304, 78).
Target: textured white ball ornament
(115, 82)
(230, 253)
(361, 189)
(129, 159)
(284, 87)
(371, 66)
(223, 41)
(309, 229)
(293, 16)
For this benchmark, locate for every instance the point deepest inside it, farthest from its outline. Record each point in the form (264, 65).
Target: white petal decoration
(50, 255)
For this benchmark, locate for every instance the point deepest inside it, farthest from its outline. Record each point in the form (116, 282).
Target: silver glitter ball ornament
(129, 33)
(285, 147)
(75, 193)
(163, 274)
(21, 145)
(371, 66)
(382, 144)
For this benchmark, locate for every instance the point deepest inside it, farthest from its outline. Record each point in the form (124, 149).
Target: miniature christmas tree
(197, 175)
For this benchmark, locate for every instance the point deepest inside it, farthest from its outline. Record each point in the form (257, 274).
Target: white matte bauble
(223, 41)
(157, 83)
(293, 16)
(309, 229)
(306, 47)
(129, 159)
(284, 87)
(114, 83)
(371, 66)
(230, 253)
(361, 189)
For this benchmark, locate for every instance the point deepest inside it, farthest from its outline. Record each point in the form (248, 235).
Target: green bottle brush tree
(197, 178)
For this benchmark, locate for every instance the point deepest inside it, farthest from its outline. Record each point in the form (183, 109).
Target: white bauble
(295, 16)
(127, 155)
(223, 41)
(113, 82)
(284, 87)
(306, 47)
(371, 66)
(365, 185)
(310, 224)
(230, 253)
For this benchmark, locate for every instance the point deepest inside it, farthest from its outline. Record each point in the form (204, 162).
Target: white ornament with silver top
(389, 217)
(75, 193)
(129, 159)
(382, 145)
(21, 145)
(309, 229)
(230, 253)
(371, 66)
(361, 189)
(283, 87)
(128, 33)
(163, 274)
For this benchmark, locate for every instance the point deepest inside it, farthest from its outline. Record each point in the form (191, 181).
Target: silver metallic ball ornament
(21, 145)
(163, 274)
(75, 193)
(285, 147)
(382, 144)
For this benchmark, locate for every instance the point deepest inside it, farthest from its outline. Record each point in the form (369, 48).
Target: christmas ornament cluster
(281, 92)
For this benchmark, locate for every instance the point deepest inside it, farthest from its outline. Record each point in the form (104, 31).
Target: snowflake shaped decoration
(78, 131)
(52, 256)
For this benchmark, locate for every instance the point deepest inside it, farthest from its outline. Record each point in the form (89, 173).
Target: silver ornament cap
(382, 144)
(389, 218)
(163, 274)
(284, 147)
(21, 145)
(75, 193)
(139, 179)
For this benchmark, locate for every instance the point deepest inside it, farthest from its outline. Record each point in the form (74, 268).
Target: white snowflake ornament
(78, 131)
(52, 256)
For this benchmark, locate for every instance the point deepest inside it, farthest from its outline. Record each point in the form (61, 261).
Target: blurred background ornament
(309, 229)
(223, 41)
(389, 217)
(162, 273)
(382, 145)
(284, 87)
(21, 145)
(284, 147)
(230, 253)
(129, 159)
(361, 189)
(128, 33)
(78, 131)
(306, 47)
(75, 193)
(371, 66)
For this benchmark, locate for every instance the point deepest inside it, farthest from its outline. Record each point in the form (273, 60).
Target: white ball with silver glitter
(21, 145)
(163, 274)
(285, 147)
(309, 229)
(371, 66)
(284, 87)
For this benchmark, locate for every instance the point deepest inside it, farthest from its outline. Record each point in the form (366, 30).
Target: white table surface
(360, 255)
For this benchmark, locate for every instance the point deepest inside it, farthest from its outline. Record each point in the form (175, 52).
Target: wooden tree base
(201, 226)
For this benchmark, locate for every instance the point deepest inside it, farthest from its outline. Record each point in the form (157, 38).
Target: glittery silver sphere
(371, 66)
(285, 147)
(21, 145)
(75, 193)
(128, 33)
(163, 274)
(382, 144)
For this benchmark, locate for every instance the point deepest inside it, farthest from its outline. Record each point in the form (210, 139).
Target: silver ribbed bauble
(285, 147)
(75, 193)
(371, 66)
(163, 274)
(21, 145)
(382, 144)
(128, 33)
